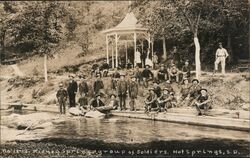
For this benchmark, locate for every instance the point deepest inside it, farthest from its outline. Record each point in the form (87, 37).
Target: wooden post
(107, 45)
(116, 50)
(45, 68)
(134, 48)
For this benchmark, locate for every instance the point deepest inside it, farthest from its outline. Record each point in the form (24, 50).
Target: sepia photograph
(140, 78)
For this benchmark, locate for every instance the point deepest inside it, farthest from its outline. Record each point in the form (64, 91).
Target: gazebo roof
(129, 24)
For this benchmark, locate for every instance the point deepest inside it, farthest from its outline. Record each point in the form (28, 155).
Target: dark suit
(96, 103)
(122, 88)
(72, 89)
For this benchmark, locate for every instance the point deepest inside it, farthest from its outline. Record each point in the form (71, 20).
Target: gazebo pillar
(113, 63)
(116, 51)
(142, 62)
(152, 48)
(126, 45)
(107, 46)
(134, 48)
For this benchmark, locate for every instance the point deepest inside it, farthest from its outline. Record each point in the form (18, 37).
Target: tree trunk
(45, 68)
(164, 57)
(229, 47)
(197, 56)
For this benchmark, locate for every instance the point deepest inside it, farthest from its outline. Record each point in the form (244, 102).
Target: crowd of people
(126, 81)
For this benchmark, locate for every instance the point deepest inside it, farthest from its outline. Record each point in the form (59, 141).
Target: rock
(94, 114)
(76, 111)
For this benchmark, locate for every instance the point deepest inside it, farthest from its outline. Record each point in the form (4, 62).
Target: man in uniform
(122, 88)
(115, 77)
(96, 102)
(83, 87)
(113, 101)
(146, 76)
(61, 96)
(173, 73)
(98, 84)
(104, 68)
(157, 88)
(186, 70)
(151, 101)
(162, 74)
(194, 91)
(165, 100)
(202, 102)
(220, 57)
(72, 90)
(185, 88)
(133, 92)
(137, 74)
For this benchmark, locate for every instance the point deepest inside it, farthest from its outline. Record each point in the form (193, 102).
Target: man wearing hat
(162, 74)
(96, 102)
(133, 92)
(83, 87)
(137, 74)
(185, 88)
(151, 101)
(61, 96)
(157, 88)
(194, 91)
(146, 76)
(173, 73)
(202, 102)
(104, 68)
(113, 101)
(220, 57)
(164, 101)
(122, 88)
(98, 84)
(72, 90)
(115, 77)
(186, 70)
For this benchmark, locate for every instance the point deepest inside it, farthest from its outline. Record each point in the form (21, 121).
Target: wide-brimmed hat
(149, 89)
(195, 80)
(165, 88)
(203, 89)
(112, 94)
(133, 76)
(60, 85)
(156, 81)
(184, 79)
(97, 95)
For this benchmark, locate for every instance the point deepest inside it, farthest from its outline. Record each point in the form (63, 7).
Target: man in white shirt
(137, 58)
(220, 57)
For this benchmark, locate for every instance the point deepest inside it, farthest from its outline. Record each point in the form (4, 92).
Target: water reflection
(128, 130)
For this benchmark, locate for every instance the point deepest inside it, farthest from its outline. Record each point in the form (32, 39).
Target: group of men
(123, 85)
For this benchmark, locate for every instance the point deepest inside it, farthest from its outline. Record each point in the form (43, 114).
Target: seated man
(185, 87)
(157, 88)
(98, 72)
(186, 70)
(104, 68)
(96, 102)
(146, 76)
(137, 74)
(162, 74)
(165, 100)
(193, 92)
(151, 101)
(94, 67)
(202, 102)
(113, 102)
(115, 78)
(173, 73)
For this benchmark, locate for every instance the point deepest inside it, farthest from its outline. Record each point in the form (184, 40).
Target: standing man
(98, 84)
(61, 96)
(122, 88)
(83, 87)
(137, 58)
(72, 89)
(146, 76)
(133, 92)
(155, 60)
(220, 57)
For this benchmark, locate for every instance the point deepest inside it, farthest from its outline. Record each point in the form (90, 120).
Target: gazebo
(129, 30)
